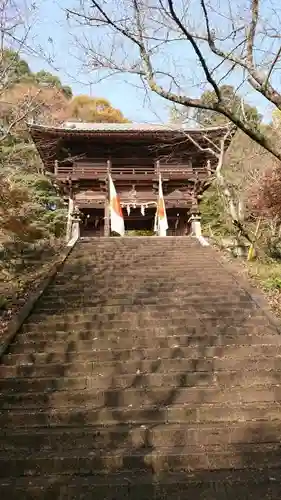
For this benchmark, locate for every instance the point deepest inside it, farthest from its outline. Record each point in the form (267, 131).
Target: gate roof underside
(50, 140)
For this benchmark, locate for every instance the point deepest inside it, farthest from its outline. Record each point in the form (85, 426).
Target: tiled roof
(119, 127)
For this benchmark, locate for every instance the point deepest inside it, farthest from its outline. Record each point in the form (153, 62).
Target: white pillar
(196, 226)
(69, 218)
(162, 232)
(75, 232)
(76, 229)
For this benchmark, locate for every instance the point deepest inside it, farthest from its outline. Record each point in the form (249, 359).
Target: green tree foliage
(13, 68)
(13, 202)
(234, 102)
(31, 205)
(47, 204)
(91, 109)
(213, 213)
(46, 79)
(207, 118)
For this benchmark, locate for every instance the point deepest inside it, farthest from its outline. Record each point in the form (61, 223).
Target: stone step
(142, 397)
(153, 263)
(136, 437)
(155, 266)
(183, 459)
(115, 256)
(164, 290)
(140, 281)
(154, 271)
(16, 361)
(121, 312)
(154, 491)
(108, 259)
(175, 414)
(159, 365)
(144, 289)
(92, 321)
(10, 387)
(145, 322)
(114, 250)
(54, 344)
(32, 370)
(111, 256)
(116, 285)
(136, 241)
(114, 253)
(215, 485)
(156, 275)
(132, 304)
(46, 384)
(203, 478)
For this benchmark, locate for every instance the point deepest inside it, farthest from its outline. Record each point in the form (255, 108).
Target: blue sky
(52, 34)
(121, 92)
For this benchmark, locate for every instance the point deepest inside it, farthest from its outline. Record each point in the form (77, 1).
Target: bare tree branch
(256, 79)
(273, 64)
(145, 40)
(252, 32)
(197, 51)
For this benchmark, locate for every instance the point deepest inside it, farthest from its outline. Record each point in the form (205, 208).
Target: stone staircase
(144, 372)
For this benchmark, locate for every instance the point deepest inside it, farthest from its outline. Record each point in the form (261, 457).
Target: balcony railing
(89, 170)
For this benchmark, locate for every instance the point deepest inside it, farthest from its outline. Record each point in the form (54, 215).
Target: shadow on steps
(116, 402)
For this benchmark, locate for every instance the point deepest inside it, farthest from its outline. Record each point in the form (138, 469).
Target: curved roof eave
(128, 128)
